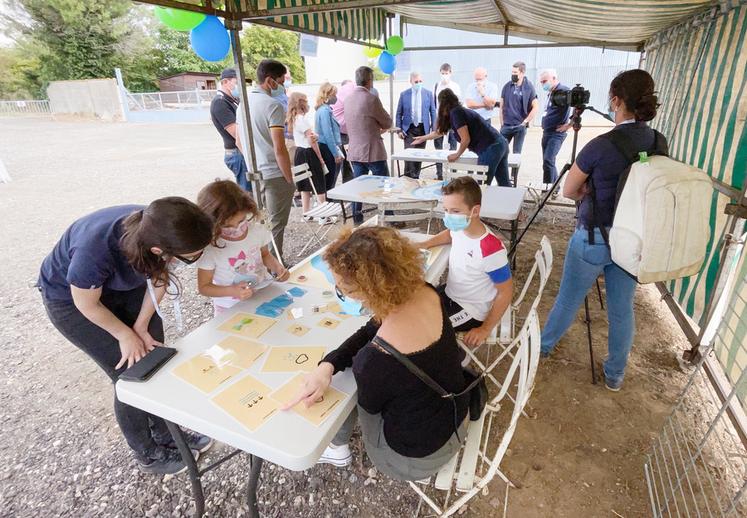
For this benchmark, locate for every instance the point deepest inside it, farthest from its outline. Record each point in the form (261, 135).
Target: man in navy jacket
(416, 116)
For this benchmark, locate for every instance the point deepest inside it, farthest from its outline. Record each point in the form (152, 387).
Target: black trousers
(412, 169)
(439, 144)
(143, 431)
(458, 316)
(347, 169)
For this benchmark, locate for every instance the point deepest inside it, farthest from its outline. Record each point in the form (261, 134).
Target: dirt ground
(581, 455)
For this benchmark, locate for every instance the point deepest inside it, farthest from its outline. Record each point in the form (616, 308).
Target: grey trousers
(388, 461)
(278, 196)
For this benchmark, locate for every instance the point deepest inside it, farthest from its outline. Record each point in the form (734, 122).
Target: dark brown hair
(381, 263)
(175, 225)
(521, 66)
(467, 187)
(636, 89)
(222, 200)
(447, 101)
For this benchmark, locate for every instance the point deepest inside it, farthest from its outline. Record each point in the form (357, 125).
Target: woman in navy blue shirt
(93, 285)
(473, 133)
(634, 102)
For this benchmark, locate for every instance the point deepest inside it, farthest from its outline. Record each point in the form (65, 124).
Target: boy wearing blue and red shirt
(479, 286)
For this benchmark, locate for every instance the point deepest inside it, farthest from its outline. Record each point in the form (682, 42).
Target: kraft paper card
(316, 413)
(249, 326)
(204, 373)
(236, 351)
(292, 359)
(248, 402)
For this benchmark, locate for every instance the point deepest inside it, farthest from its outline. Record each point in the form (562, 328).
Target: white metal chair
(316, 217)
(407, 212)
(474, 467)
(478, 172)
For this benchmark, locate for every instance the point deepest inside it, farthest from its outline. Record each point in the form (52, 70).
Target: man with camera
(554, 126)
(519, 105)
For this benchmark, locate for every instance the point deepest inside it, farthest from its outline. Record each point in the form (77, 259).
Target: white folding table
(440, 156)
(286, 438)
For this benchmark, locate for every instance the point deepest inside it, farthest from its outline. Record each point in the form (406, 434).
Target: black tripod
(576, 124)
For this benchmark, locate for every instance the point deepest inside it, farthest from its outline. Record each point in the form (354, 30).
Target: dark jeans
(515, 133)
(236, 163)
(143, 431)
(334, 168)
(412, 169)
(495, 157)
(551, 143)
(347, 169)
(362, 168)
(439, 144)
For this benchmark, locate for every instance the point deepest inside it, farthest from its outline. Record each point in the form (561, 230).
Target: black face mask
(514, 78)
(188, 260)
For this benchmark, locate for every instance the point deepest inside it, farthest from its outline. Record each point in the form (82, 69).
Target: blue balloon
(210, 39)
(387, 62)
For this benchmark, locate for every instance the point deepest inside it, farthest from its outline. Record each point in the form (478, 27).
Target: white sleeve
(302, 124)
(207, 259)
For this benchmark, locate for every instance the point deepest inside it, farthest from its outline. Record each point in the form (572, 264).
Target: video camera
(576, 97)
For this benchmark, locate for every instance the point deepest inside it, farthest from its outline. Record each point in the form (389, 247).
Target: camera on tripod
(576, 97)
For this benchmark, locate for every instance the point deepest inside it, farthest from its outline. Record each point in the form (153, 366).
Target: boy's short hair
(467, 187)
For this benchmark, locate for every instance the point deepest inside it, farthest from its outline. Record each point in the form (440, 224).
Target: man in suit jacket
(416, 115)
(366, 119)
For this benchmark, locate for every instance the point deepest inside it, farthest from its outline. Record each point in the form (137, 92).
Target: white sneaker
(339, 456)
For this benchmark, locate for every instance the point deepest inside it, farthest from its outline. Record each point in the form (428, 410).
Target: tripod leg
(599, 292)
(588, 335)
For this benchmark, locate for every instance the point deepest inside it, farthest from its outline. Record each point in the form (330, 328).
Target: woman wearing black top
(408, 429)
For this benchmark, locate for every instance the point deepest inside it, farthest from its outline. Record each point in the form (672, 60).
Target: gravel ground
(64, 454)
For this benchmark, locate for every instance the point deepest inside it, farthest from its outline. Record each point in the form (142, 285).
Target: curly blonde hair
(326, 91)
(296, 101)
(379, 261)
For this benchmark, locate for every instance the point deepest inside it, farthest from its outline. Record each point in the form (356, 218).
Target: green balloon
(179, 19)
(395, 45)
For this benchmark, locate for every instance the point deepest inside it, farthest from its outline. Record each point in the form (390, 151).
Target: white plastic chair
(474, 467)
(318, 214)
(478, 172)
(407, 212)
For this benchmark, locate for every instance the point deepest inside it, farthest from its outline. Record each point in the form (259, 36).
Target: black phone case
(148, 366)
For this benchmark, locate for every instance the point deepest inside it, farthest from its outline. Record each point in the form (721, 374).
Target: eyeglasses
(339, 294)
(189, 260)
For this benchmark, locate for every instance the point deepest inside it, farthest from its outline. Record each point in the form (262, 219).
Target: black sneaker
(164, 461)
(196, 442)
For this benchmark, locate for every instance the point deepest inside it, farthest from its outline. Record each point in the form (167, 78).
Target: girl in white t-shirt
(238, 261)
(307, 149)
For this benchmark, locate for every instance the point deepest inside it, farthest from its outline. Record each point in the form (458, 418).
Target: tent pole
(234, 27)
(387, 34)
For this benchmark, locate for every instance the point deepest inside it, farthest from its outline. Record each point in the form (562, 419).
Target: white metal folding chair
(406, 212)
(316, 217)
(473, 468)
(478, 172)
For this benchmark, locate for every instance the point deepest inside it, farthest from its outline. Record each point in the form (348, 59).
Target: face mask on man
(445, 78)
(278, 91)
(417, 86)
(514, 78)
(546, 86)
(235, 92)
(456, 222)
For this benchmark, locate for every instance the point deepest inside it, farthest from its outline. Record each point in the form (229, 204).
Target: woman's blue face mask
(349, 305)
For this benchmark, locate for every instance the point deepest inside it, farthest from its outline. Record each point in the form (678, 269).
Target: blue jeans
(517, 133)
(551, 143)
(583, 264)
(495, 157)
(236, 163)
(379, 168)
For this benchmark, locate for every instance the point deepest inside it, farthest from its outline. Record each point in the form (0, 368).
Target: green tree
(259, 42)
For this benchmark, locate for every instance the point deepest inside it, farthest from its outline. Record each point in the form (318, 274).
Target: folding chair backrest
(302, 172)
(478, 172)
(407, 211)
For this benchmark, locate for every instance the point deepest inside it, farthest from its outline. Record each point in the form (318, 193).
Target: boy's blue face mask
(456, 222)
(349, 305)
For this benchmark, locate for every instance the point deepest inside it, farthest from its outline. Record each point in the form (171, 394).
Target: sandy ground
(581, 455)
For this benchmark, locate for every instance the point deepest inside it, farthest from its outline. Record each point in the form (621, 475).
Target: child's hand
(476, 337)
(282, 274)
(241, 291)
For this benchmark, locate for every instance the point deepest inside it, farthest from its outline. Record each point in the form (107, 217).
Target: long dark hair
(447, 101)
(175, 225)
(636, 89)
(222, 200)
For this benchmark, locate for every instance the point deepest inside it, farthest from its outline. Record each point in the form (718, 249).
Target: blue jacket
(328, 129)
(403, 120)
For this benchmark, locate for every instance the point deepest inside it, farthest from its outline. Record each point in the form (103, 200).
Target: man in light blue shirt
(416, 115)
(482, 95)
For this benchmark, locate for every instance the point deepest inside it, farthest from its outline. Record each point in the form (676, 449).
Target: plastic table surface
(286, 438)
(440, 156)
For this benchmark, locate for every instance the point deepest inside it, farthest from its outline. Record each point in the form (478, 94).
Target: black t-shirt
(223, 113)
(417, 421)
(481, 134)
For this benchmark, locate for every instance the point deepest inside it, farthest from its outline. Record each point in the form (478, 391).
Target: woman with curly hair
(408, 430)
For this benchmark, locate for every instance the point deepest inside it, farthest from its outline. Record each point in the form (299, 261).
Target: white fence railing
(26, 107)
(183, 100)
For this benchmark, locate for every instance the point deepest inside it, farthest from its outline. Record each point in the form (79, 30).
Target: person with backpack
(593, 181)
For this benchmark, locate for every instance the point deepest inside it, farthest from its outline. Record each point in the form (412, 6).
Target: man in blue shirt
(554, 126)
(482, 95)
(519, 105)
(416, 115)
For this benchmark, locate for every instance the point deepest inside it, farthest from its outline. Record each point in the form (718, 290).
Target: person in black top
(223, 114)
(633, 101)
(93, 285)
(408, 430)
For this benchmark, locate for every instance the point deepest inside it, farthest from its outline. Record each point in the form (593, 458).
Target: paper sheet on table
(293, 359)
(236, 351)
(205, 373)
(248, 402)
(244, 324)
(314, 273)
(316, 413)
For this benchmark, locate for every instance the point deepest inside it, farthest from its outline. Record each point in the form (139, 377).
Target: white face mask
(445, 78)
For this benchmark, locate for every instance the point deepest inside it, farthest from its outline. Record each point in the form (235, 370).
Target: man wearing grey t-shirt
(273, 159)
